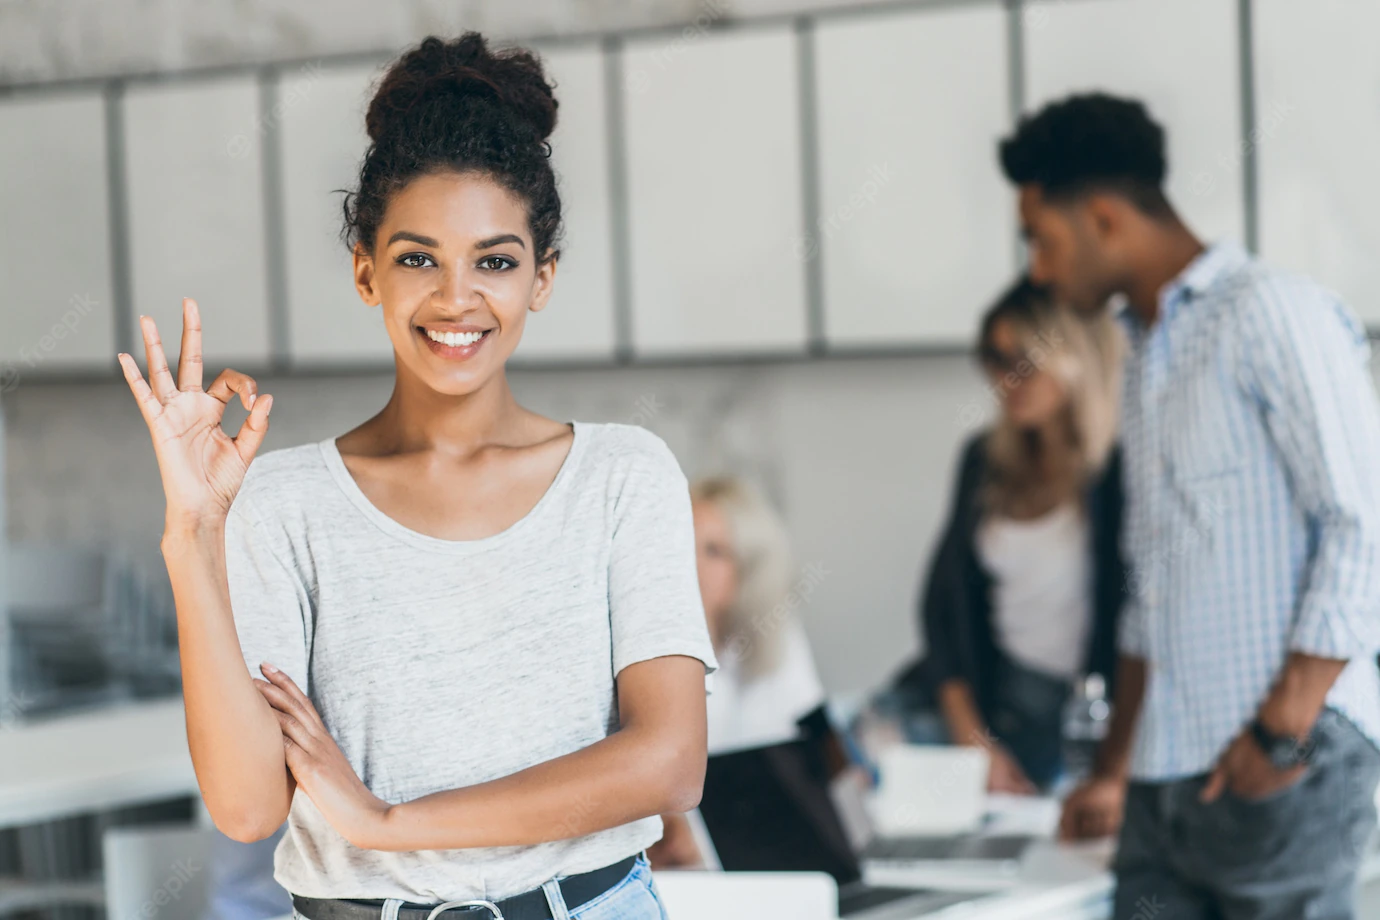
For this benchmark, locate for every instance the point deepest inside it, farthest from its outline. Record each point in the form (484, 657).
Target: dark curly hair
(1090, 142)
(458, 106)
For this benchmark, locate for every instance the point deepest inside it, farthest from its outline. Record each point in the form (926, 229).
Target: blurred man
(1247, 711)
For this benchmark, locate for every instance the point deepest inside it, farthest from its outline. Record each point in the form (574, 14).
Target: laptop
(960, 851)
(768, 809)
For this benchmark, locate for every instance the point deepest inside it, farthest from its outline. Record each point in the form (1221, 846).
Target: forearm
(626, 776)
(961, 715)
(234, 739)
(1114, 754)
(1300, 693)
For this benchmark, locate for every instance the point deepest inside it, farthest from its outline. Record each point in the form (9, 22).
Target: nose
(457, 290)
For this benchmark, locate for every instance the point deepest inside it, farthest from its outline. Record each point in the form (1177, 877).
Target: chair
(156, 870)
(748, 895)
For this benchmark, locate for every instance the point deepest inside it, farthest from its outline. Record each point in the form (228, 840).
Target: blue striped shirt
(1252, 462)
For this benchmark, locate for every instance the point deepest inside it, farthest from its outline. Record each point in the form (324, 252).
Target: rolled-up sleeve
(1306, 362)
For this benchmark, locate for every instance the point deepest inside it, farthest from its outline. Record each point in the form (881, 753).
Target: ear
(364, 276)
(542, 284)
(1107, 214)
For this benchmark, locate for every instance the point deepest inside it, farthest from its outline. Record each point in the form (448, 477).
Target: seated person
(1025, 587)
(766, 678)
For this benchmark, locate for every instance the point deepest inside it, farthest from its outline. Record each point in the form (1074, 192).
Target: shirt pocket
(1203, 462)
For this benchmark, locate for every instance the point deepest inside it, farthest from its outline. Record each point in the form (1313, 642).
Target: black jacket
(956, 603)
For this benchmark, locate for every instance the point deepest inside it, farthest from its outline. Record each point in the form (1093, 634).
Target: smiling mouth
(455, 345)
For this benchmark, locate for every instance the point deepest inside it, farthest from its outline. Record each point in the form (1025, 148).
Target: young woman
(1025, 588)
(482, 643)
(767, 679)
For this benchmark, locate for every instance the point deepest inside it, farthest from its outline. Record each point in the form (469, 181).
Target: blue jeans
(634, 898)
(1293, 854)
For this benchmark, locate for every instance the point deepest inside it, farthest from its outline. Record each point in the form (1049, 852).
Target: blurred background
(783, 220)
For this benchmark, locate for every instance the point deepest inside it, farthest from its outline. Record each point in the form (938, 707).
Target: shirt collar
(1207, 268)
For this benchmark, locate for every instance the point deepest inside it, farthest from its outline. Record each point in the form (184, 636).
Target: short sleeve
(271, 606)
(654, 590)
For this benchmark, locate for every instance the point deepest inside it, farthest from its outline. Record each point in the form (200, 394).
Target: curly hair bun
(444, 78)
(457, 105)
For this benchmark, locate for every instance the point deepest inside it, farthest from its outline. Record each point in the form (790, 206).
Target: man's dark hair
(1090, 142)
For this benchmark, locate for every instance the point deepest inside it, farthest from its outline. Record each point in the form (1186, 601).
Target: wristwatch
(1284, 751)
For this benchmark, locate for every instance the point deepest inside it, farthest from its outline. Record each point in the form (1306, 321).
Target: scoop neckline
(335, 463)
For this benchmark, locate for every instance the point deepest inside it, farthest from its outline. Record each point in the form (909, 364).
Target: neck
(417, 418)
(1053, 437)
(1169, 248)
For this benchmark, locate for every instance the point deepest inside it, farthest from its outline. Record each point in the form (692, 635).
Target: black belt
(530, 905)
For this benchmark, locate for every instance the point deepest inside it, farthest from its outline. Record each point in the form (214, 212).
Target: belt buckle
(487, 905)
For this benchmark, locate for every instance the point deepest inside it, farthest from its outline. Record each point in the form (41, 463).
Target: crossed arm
(653, 763)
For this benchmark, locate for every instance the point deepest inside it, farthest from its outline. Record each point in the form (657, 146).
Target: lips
(455, 343)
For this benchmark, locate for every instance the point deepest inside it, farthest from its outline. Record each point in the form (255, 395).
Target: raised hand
(201, 466)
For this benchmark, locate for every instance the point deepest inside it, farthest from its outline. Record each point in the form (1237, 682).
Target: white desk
(1058, 882)
(94, 760)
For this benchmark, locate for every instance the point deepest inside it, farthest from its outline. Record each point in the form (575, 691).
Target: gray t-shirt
(438, 664)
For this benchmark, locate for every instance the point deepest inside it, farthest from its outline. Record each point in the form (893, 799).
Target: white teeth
(454, 338)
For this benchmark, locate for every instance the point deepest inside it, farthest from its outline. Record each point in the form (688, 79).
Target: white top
(438, 664)
(764, 710)
(1042, 605)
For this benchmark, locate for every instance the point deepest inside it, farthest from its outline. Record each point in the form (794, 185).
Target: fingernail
(268, 667)
(252, 397)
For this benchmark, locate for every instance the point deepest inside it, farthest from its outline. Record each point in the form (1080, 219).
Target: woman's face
(717, 568)
(1029, 394)
(454, 270)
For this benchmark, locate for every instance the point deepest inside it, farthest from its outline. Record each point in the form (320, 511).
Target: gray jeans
(1293, 854)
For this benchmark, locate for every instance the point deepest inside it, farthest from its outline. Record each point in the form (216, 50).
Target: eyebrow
(428, 241)
(496, 240)
(414, 238)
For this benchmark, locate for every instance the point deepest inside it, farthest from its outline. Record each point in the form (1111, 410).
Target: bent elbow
(243, 827)
(684, 796)
(681, 780)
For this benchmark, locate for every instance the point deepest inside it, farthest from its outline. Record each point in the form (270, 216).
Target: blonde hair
(762, 554)
(1084, 353)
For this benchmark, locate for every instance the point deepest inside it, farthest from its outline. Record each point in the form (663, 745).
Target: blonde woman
(766, 678)
(1026, 585)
